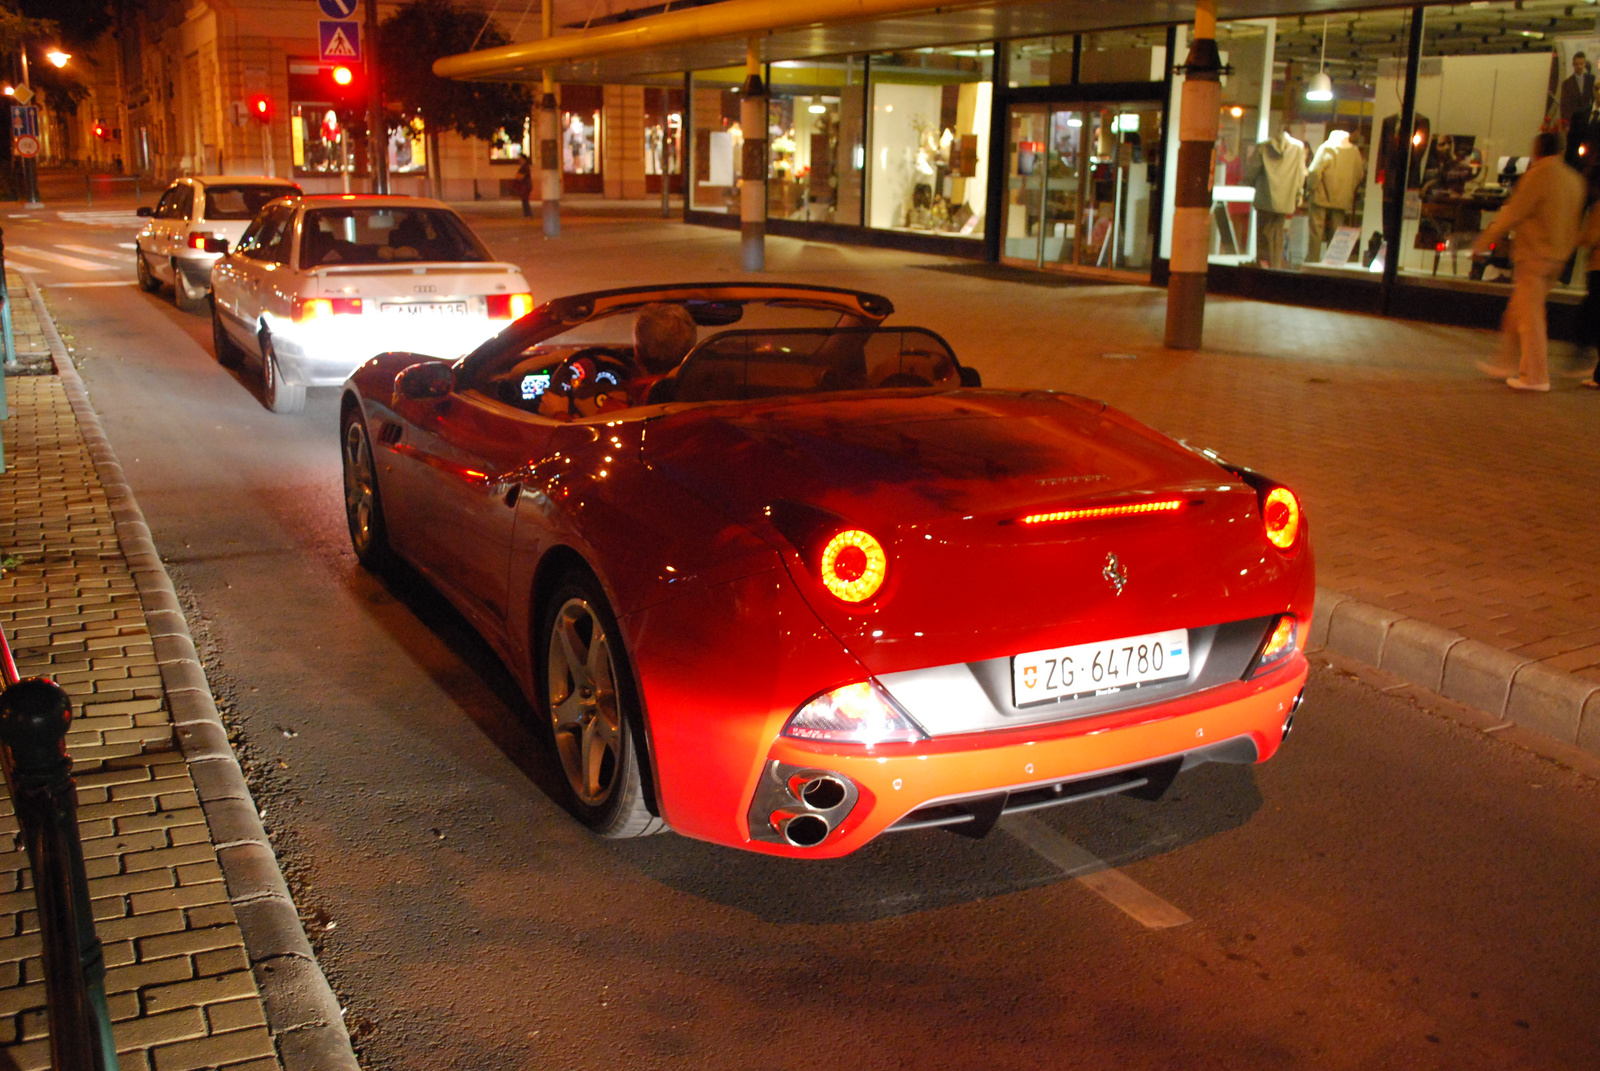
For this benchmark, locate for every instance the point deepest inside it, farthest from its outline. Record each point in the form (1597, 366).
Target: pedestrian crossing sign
(338, 41)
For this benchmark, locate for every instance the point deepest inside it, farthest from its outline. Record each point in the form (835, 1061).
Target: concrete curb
(303, 1015)
(1509, 686)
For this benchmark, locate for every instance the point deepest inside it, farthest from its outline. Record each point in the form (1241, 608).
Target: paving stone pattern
(178, 983)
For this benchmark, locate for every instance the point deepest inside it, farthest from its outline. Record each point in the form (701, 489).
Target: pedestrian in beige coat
(1541, 216)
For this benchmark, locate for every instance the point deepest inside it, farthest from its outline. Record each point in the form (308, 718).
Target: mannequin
(1277, 170)
(1336, 173)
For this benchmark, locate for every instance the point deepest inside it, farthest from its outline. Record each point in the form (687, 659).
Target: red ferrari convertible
(785, 578)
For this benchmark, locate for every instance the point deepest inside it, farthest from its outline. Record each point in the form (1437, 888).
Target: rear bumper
(325, 355)
(978, 777)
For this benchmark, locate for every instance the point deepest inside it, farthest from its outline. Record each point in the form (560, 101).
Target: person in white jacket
(1541, 216)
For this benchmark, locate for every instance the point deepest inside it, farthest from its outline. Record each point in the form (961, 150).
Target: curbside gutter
(1560, 705)
(303, 1015)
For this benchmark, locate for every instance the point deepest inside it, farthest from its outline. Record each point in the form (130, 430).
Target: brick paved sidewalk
(178, 982)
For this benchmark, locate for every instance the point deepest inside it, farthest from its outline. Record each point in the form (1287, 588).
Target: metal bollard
(10, 360)
(88, 189)
(34, 715)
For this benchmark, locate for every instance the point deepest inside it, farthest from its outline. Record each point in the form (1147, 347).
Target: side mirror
(970, 377)
(427, 379)
(144, 210)
(216, 245)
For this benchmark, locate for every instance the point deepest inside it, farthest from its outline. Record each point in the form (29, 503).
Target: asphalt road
(1394, 890)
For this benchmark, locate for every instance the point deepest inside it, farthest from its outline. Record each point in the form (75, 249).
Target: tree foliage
(59, 88)
(425, 30)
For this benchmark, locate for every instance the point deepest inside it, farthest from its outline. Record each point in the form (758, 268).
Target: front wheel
(363, 510)
(223, 346)
(280, 396)
(593, 714)
(141, 267)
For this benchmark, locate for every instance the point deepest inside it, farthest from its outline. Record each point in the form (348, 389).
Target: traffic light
(101, 131)
(261, 108)
(346, 84)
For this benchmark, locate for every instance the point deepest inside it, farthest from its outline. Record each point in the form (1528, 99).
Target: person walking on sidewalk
(522, 185)
(1542, 217)
(1589, 311)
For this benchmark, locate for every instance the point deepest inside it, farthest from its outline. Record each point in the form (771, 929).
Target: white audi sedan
(318, 285)
(178, 240)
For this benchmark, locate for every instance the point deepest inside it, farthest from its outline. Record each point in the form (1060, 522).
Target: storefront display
(928, 143)
(718, 141)
(663, 138)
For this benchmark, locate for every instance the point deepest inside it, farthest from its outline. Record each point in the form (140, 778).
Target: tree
(425, 30)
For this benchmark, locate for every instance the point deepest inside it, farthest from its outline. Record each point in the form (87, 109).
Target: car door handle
(513, 493)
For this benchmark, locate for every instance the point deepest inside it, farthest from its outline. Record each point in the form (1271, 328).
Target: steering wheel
(591, 371)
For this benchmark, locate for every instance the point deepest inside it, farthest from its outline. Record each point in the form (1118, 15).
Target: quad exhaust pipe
(1288, 723)
(804, 830)
(800, 806)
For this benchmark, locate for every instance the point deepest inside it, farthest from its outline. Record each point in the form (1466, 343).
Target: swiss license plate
(1098, 668)
(425, 308)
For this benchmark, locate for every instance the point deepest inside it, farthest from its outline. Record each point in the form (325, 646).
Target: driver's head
(663, 335)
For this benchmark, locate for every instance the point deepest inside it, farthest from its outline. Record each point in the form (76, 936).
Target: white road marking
(109, 254)
(30, 269)
(1094, 873)
(127, 245)
(85, 286)
(103, 219)
(57, 258)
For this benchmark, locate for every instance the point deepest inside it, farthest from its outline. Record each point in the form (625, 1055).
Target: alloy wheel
(585, 712)
(359, 482)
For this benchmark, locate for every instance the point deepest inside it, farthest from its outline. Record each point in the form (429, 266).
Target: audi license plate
(1098, 668)
(425, 308)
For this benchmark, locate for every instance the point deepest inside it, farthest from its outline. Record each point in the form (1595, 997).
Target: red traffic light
(261, 108)
(100, 130)
(343, 76)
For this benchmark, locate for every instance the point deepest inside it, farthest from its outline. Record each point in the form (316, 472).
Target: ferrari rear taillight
(1280, 513)
(1283, 642)
(854, 714)
(853, 566)
(509, 306)
(1166, 505)
(307, 309)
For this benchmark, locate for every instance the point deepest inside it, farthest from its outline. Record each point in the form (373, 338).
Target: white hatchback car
(171, 247)
(318, 285)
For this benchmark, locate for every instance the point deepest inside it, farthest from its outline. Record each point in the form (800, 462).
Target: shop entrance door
(1078, 190)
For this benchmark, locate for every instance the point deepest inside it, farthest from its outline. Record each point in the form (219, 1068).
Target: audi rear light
(197, 240)
(509, 306)
(854, 714)
(308, 309)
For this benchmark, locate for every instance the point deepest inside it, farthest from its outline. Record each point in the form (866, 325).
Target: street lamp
(58, 57)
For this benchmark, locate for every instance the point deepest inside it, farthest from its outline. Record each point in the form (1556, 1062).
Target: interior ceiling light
(1321, 87)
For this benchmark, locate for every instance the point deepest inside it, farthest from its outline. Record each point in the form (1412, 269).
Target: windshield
(242, 202)
(386, 236)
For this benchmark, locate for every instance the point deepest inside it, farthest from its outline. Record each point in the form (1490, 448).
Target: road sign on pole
(27, 145)
(338, 9)
(338, 42)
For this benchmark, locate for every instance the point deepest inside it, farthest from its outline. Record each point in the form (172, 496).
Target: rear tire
(281, 397)
(141, 268)
(594, 714)
(221, 344)
(185, 296)
(363, 507)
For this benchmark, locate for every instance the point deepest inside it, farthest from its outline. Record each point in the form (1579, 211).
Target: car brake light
(1280, 514)
(509, 306)
(853, 566)
(1283, 642)
(1169, 505)
(854, 714)
(198, 240)
(307, 309)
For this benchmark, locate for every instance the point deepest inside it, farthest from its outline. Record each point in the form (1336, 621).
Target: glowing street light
(58, 57)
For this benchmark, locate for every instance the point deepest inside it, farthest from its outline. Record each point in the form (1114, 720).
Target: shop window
(509, 148)
(814, 131)
(928, 144)
(408, 152)
(324, 143)
(663, 138)
(1296, 182)
(1138, 55)
(718, 140)
(1491, 77)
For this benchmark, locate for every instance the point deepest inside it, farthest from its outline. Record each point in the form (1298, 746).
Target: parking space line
(1095, 874)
